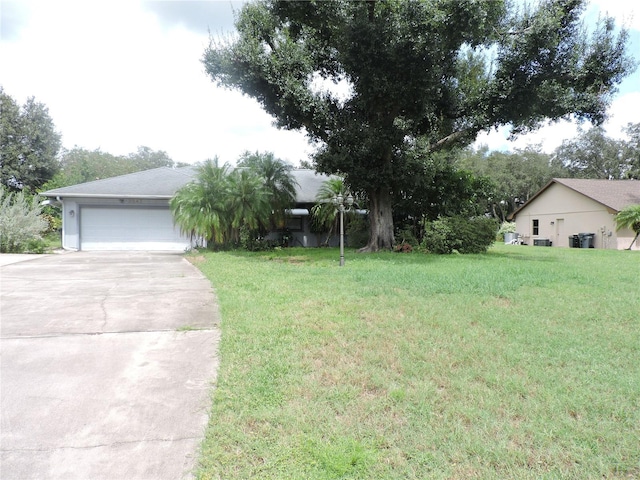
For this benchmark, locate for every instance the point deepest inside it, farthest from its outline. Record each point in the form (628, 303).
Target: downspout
(63, 236)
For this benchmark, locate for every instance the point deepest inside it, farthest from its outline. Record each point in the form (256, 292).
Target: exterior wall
(299, 229)
(562, 212)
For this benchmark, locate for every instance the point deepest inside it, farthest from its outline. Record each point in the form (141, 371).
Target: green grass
(520, 363)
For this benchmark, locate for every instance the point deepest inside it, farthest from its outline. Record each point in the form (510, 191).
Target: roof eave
(104, 195)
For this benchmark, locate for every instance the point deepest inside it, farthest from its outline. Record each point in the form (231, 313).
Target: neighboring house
(131, 212)
(570, 206)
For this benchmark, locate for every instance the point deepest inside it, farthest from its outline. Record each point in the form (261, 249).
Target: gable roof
(161, 182)
(614, 194)
(164, 182)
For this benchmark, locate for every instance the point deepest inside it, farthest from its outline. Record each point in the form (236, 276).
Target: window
(295, 224)
(535, 226)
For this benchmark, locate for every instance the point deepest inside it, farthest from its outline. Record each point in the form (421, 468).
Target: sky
(118, 74)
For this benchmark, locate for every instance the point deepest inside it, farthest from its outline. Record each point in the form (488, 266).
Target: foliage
(324, 214)
(277, 179)
(234, 207)
(425, 366)
(356, 230)
(629, 217)
(515, 176)
(21, 226)
(434, 186)
(631, 152)
(29, 144)
(592, 154)
(200, 208)
(459, 234)
(367, 80)
(506, 227)
(79, 165)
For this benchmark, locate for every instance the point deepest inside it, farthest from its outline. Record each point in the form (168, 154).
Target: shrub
(506, 227)
(403, 247)
(459, 234)
(252, 241)
(357, 231)
(20, 221)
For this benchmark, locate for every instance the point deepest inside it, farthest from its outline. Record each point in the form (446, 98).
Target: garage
(129, 228)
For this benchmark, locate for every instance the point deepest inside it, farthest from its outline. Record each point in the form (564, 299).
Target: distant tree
(592, 154)
(20, 220)
(515, 176)
(80, 165)
(29, 144)
(631, 151)
(629, 217)
(439, 71)
(145, 159)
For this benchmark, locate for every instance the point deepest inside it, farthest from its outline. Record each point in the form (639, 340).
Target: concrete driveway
(107, 362)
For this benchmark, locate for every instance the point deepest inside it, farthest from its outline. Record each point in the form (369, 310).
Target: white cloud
(116, 75)
(115, 78)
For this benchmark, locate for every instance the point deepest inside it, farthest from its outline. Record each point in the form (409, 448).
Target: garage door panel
(126, 228)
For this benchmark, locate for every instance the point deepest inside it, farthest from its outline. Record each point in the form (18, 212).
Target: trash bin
(587, 240)
(574, 241)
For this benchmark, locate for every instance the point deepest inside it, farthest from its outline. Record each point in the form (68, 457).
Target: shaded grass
(521, 363)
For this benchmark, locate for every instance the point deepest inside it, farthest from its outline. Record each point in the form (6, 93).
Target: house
(577, 212)
(131, 212)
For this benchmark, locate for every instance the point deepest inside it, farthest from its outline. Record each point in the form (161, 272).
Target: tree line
(32, 158)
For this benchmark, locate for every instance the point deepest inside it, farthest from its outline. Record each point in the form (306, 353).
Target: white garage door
(127, 228)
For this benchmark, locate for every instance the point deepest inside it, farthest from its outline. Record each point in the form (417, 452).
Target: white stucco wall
(562, 212)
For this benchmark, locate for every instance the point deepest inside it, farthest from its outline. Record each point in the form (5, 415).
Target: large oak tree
(434, 71)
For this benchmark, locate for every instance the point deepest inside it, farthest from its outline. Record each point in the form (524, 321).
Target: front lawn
(520, 363)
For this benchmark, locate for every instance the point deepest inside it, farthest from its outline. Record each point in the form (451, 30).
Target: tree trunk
(381, 221)
(634, 240)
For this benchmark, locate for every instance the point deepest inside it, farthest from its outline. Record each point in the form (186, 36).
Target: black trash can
(574, 241)
(587, 240)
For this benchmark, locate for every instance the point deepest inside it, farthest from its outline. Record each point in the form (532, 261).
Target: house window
(535, 226)
(294, 224)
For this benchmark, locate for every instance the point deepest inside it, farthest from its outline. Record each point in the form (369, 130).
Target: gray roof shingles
(164, 182)
(615, 194)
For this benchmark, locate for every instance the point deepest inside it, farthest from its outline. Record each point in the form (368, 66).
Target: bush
(506, 227)
(459, 234)
(252, 241)
(21, 225)
(357, 231)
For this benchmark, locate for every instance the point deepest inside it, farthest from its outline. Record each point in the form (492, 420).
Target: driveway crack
(100, 445)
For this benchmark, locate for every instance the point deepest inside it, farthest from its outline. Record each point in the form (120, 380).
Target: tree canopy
(515, 176)
(80, 165)
(593, 154)
(367, 80)
(29, 144)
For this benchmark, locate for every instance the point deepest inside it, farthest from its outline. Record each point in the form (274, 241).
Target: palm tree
(629, 217)
(201, 208)
(325, 212)
(277, 179)
(249, 201)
